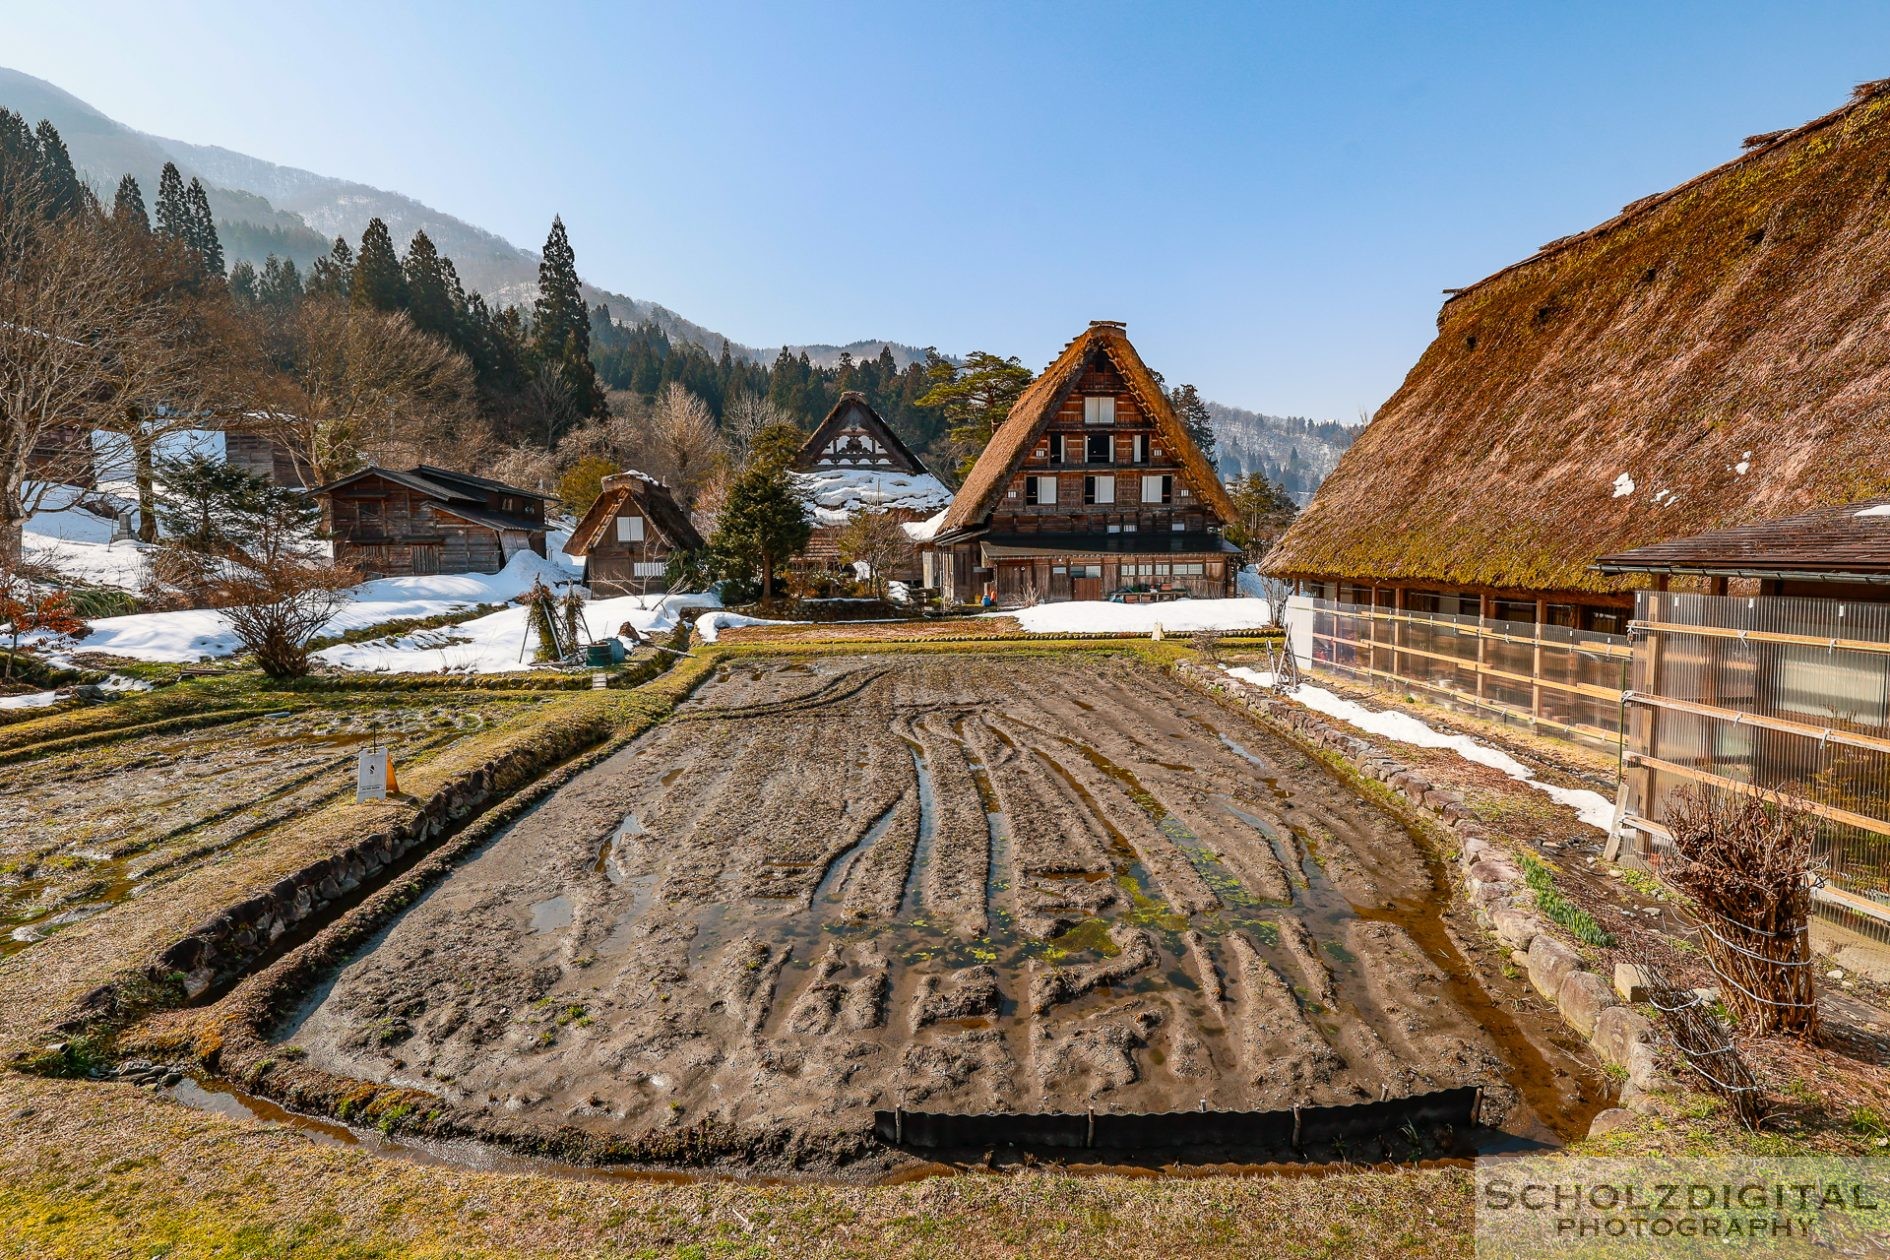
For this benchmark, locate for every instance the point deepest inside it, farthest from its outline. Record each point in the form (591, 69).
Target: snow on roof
(924, 531)
(838, 493)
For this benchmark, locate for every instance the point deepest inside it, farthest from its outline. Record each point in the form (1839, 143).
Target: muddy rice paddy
(957, 884)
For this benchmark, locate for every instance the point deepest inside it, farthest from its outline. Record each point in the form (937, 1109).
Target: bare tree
(679, 444)
(358, 380)
(72, 336)
(744, 416)
(874, 539)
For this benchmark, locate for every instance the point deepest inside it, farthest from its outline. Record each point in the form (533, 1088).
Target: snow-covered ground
(1593, 808)
(711, 625)
(191, 634)
(501, 642)
(1180, 616)
(78, 543)
(837, 493)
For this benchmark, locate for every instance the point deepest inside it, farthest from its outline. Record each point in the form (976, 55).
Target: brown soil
(956, 883)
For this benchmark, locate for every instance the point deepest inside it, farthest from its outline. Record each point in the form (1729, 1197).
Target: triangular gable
(1038, 405)
(652, 501)
(853, 411)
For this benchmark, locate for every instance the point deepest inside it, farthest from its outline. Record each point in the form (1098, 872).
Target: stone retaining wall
(1494, 883)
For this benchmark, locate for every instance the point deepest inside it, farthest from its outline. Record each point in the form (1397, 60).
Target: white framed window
(1099, 409)
(1157, 488)
(1099, 489)
(1041, 491)
(648, 569)
(1141, 448)
(1128, 527)
(629, 529)
(1072, 448)
(1086, 570)
(1177, 527)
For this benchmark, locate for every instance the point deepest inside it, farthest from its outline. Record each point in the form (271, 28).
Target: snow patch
(1882, 509)
(835, 494)
(924, 531)
(710, 625)
(1177, 617)
(1592, 808)
(1623, 486)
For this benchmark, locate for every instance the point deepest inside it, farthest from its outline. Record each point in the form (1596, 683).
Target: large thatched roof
(1715, 354)
(1034, 409)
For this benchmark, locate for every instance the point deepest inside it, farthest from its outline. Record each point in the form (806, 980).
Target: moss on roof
(1716, 354)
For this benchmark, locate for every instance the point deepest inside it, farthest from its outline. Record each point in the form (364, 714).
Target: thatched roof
(651, 499)
(1038, 405)
(1716, 354)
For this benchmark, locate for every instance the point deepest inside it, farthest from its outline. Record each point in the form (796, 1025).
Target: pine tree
(203, 230)
(281, 285)
(377, 282)
(243, 284)
(65, 194)
(128, 205)
(1192, 410)
(763, 523)
(173, 211)
(333, 275)
(429, 294)
(974, 397)
(561, 325)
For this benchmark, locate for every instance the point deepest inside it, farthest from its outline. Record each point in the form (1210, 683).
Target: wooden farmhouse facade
(1090, 486)
(1706, 359)
(853, 462)
(627, 537)
(390, 523)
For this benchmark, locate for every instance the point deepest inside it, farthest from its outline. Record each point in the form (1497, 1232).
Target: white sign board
(370, 776)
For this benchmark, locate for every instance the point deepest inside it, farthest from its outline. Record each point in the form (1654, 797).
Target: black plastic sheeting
(1297, 1126)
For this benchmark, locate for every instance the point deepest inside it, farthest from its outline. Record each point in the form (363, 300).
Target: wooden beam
(1829, 812)
(1834, 735)
(1766, 636)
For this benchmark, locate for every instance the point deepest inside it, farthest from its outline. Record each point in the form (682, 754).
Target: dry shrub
(1744, 858)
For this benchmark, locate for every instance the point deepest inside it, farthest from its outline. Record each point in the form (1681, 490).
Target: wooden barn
(430, 520)
(629, 534)
(853, 462)
(1089, 487)
(1714, 355)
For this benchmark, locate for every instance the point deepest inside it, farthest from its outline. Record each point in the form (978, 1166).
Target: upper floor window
(1100, 449)
(1158, 488)
(629, 529)
(1140, 448)
(1099, 489)
(1071, 450)
(1041, 491)
(1099, 409)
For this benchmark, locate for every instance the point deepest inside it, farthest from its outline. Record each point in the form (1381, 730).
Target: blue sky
(1271, 196)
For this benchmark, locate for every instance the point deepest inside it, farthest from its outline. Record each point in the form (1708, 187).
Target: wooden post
(1486, 605)
(1397, 631)
(1535, 670)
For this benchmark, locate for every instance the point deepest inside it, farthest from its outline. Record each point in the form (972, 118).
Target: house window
(1041, 491)
(1072, 448)
(648, 569)
(1158, 488)
(1099, 489)
(1188, 570)
(1099, 409)
(1177, 526)
(630, 529)
(1141, 448)
(1100, 449)
(1086, 570)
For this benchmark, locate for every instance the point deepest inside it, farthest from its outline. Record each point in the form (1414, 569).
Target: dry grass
(1738, 317)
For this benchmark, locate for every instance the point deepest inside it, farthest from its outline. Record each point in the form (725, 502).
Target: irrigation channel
(965, 885)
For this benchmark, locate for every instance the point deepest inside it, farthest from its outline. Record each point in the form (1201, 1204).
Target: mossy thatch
(1716, 354)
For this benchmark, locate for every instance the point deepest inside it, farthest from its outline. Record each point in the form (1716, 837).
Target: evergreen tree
(203, 230)
(281, 285)
(1192, 410)
(243, 285)
(763, 523)
(128, 205)
(173, 210)
(561, 325)
(65, 194)
(430, 301)
(974, 397)
(333, 275)
(377, 281)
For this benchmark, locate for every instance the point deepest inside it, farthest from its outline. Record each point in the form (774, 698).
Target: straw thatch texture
(652, 499)
(1716, 354)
